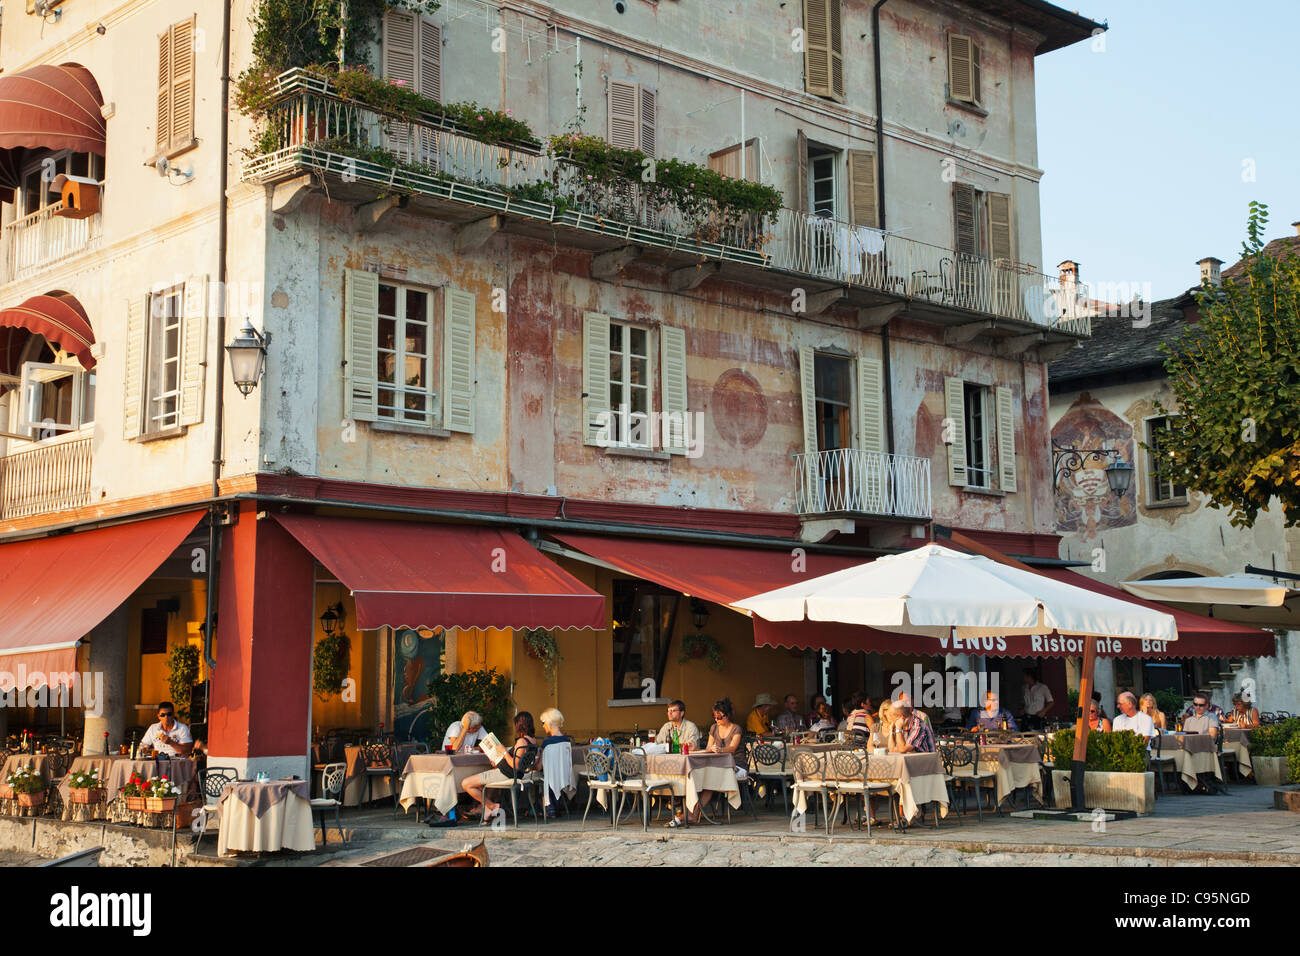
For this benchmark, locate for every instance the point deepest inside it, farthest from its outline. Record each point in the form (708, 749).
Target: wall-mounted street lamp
(1066, 461)
(332, 619)
(248, 357)
(700, 613)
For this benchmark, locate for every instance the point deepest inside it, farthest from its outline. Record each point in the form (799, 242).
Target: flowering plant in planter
(85, 786)
(25, 780)
(161, 787)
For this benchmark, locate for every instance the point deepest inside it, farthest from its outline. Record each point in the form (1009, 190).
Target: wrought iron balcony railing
(312, 128)
(851, 481)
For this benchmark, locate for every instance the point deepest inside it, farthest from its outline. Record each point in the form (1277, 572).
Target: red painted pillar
(262, 682)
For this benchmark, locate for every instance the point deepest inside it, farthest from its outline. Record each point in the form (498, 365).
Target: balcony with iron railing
(52, 476)
(850, 481)
(45, 238)
(447, 171)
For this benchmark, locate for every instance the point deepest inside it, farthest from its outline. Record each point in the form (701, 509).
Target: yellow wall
(146, 674)
(331, 712)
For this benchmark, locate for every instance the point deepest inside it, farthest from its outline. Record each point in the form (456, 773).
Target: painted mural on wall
(1081, 442)
(418, 658)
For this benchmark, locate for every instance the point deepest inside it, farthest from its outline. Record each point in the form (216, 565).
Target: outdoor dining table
(41, 763)
(690, 773)
(916, 778)
(87, 811)
(1015, 766)
(180, 771)
(1236, 740)
(264, 816)
(358, 786)
(439, 777)
(1193, 754)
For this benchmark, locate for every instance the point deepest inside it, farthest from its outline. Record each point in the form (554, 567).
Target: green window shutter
(137, 315)
(458, 360)
(1006, 440)
(862, 188)
(1000, 226)
(954, 426)
(960, 79)
(194, 349)
(360, 319)
(596, 424)
(673, 388)
(871, 404)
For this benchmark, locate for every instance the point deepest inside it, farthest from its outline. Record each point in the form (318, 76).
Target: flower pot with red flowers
(134, 792)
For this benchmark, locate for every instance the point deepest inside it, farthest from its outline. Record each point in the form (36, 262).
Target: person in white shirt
(464, 734)
(168, 736)
(1037, 701)
(1131, 718)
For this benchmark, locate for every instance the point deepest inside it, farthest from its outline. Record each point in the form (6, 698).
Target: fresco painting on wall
(418, 658)
(1084, 503)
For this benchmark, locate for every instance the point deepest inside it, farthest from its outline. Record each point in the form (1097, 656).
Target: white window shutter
(458, 360)
(137, 314)
(960, 82)
(624, 121)
(194, 349)
(648, 120)
(596, 424)
(673, 389)
(965, 234)
(871, 404)
(361, 320)
(1006, 440)
(430, 68)
(808, 388)
(954, 427)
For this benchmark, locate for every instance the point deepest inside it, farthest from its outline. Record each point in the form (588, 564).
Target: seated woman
(1151, 709)
(884, 720)
(506, 766)
(860, 720)
(823, 719)
(1095, 720)
(558, 770)
(725, 737)
(1243, 714)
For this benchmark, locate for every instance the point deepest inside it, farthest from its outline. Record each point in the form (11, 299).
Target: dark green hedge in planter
(1293, 757)
(1115, 752)
(1272, 740)
(485, 692)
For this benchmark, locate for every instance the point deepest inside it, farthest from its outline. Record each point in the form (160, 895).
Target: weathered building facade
(449, 345)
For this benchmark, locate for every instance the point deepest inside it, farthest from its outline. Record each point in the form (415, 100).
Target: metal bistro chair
(767, 767)
(1162, 763)
(601, 776)
(851, 781)
(632, 780)
(333, 779)
(810, 778)
(212, 781)
(522, 779)
(378, 758)
(955, 756)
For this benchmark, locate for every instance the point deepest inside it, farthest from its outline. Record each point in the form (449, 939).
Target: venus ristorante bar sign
(1055, 645)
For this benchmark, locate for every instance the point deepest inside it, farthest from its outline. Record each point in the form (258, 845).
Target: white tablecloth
(287, 825)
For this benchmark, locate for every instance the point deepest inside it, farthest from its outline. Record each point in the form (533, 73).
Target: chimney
(1210, 269)
(1069, 272)
(1297, 227)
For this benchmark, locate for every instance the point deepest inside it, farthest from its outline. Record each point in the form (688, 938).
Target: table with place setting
(1016, 765)
(1193, 754)
(915, 778)
(266, 815)
(1236, 740)
(439, 778)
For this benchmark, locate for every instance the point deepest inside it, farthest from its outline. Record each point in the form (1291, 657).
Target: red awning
(60, 318)
(410, 574)
(48, 107)
(722, 574)
(53, 591)
(1198, 636)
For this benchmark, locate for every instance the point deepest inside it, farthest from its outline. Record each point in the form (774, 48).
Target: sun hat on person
(764, 700)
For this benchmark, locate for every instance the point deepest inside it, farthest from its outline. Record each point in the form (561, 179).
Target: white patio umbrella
(1239, 589)
(937, 592)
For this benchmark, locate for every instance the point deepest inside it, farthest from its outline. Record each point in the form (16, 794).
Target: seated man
(168, 736)
(1212, 709)
(759, 721)
(1202, 720)
(906, 700)
(789, 719)
(465, 734)
(991, 716)
(687, 732)
(910, 734)
(1131, 718)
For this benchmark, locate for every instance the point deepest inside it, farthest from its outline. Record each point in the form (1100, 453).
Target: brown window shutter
(1000, 226)
(836, 51)
(726, 162)
(623, 119)
(647, 144)
(801, 192)
(430, 75)
(816, 48)
(960, 83)
(963, 217)
(398, 59)
(862, 188)
(975, 72)
(182, 83)
(163, 134)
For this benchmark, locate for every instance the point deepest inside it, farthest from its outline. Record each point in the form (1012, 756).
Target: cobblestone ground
(627, 851)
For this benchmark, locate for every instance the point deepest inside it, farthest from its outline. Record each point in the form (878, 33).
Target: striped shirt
(919, 736)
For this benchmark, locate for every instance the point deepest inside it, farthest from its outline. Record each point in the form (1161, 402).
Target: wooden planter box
(1109, 791)
(1270, 771)
(87, 795)
(134, 803)
(36, 799)
(160, 804)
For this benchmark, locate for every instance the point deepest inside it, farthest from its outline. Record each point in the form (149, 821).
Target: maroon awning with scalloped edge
(60, 318)
(48, 107)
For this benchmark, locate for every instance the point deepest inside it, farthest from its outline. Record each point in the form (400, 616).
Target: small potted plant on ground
(160, 795)
(86, 786)
(134, 792)
(27, 786)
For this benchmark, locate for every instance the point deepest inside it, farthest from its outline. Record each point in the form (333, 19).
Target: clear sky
(1148, 146)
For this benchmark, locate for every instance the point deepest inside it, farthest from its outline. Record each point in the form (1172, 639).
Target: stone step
(1288, 799)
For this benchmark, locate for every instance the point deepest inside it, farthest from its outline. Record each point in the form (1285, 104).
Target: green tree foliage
(1236, 377)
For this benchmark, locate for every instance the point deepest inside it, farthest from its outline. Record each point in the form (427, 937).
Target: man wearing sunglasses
(1202, 721)
(168, 736)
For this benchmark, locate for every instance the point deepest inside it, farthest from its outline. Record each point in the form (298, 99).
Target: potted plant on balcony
(1115, 775)
(85, 786)
(542, 646)
(697, 646)
(27, 786)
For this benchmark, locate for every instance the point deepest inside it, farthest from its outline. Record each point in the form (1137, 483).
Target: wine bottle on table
(134, 750)
(636, 735)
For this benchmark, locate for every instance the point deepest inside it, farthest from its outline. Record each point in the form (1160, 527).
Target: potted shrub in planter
(160, 795)
(85, 786)
(1115, 775)
(1268, 752)
(27, 786)
(134, 792)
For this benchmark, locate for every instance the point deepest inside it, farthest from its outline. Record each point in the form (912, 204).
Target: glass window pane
(831, 379)
(387, 366)
(640, 400)
(638, 341)
(414, 372)
(386, 401)
(417, 306)
(387, 299)
(615, 337)
(640, 371)
(79, 165)
(616, 368)
(417, 337)
(387, 333)
(88, 398)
